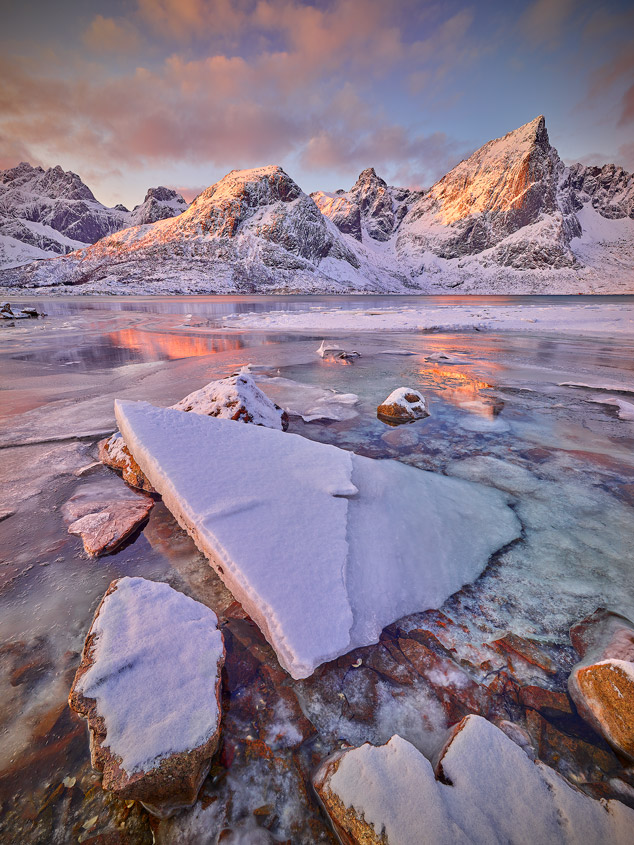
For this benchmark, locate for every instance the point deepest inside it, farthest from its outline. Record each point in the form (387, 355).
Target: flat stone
(104, 530)
(527, 649)
(149, 687)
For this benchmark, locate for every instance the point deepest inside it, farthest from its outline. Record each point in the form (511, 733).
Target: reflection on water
(462, 389)
(155, 346)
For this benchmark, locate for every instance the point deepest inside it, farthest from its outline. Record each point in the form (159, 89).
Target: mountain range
(512, 218)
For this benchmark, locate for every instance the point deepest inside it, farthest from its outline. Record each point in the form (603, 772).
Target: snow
(602, 318)
(309, 401)
(227, 397)
(625, 410)
(496, 794)
(154, 673)
(322, 547)
(413, 408)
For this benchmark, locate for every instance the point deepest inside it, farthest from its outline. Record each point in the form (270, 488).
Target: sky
(131, 94)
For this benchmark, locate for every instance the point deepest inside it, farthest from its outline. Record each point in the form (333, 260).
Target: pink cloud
(107, 35)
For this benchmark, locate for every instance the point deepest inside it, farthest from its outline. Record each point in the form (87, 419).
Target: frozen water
(376, 539)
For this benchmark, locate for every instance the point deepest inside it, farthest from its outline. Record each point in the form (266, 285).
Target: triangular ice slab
(323, 548)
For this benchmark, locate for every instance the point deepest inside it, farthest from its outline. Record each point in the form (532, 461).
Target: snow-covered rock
(333, 350)
(322, 547)
(486, 791)
(602, 684)
(403, 405)
(9, 312)
(609, 189)
(149, 687)
(235, 398)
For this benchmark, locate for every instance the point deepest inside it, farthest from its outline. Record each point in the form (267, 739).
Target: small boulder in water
(149, 687)
(403, 405)
(104, 516)
(602, 684)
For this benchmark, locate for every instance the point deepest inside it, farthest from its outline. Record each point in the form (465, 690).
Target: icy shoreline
(614, 319)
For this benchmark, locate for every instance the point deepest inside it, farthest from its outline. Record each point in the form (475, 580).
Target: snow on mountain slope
(508, 184)
(253, 230)
(51, 212)
(509, 219)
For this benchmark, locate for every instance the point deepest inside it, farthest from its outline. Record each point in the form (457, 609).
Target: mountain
(511, 218)
(51, 212)
(369, 208)
(159, 203)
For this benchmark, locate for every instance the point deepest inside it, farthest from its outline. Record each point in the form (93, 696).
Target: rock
(159, 204)
(548, 702)
(486, 791)
(7, 312)
(114, 453)
(403, 405)
(331, 350)
(235, 398)
(102, 531)
(604, 695)
(604, 634)
(149, 687)
(529, 650)
(602, 684)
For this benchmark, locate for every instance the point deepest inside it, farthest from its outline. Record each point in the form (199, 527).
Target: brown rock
(547, 702)
(103, 530)
(174, 781)
(403, 405)
(604, 695)
(351, 827)
(529, 650)
(114, 453)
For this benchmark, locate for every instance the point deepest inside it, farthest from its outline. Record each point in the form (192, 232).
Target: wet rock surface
(104, 526)
(115, 454)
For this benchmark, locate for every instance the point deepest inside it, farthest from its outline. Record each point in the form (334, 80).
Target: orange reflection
(154, 346)
(462, 389)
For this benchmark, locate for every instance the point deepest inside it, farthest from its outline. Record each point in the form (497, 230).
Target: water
(498, 416)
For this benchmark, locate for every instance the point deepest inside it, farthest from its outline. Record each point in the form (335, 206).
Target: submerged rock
(149, 687)
(114, 453)
(235, 398)
(485, 790)
(602, 684)
(403, 405)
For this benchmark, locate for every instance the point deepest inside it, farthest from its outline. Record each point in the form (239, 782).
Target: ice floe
(309, 401)
(322, 547)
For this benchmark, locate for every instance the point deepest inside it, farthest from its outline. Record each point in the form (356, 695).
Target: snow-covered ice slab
(489, 792)
(322, 547)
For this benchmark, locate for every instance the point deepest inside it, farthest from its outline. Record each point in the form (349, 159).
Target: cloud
(614, 75)
(107, 35)
(544, 21)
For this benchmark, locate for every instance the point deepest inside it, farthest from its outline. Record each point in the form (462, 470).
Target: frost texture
(322, 547)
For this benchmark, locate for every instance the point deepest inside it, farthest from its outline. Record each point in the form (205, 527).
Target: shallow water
(498, 416)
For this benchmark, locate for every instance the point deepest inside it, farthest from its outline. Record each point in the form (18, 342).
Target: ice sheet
(322, 547)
